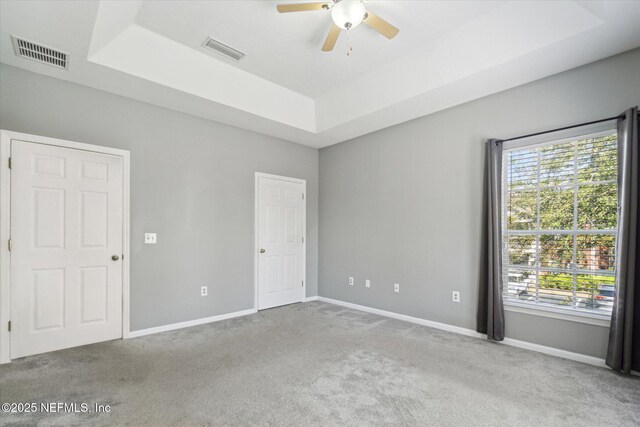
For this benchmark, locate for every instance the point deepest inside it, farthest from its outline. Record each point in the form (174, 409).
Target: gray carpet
(318, 364)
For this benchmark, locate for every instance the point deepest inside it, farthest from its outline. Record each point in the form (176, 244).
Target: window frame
(574, 314)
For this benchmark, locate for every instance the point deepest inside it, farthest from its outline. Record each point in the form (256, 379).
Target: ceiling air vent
(222, 49)
(40, 53)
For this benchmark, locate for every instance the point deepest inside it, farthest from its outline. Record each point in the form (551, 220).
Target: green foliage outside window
(564, 281)
(564, 187)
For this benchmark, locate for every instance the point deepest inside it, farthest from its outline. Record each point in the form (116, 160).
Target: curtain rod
(564, 128)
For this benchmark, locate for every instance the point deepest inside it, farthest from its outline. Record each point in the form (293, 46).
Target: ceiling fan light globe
(348, 14)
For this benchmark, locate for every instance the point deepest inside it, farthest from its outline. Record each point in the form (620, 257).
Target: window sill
(555, 313)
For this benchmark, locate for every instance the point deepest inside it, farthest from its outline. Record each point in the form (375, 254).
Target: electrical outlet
(350, 281)
(455, 296)
(150, 238)
(367, 283)
(203, 291)
(396, 287)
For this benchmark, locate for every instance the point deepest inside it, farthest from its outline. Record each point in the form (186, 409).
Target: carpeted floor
(320, 364)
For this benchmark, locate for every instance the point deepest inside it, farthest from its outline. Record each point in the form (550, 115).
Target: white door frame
(256, 245)
(5, 227)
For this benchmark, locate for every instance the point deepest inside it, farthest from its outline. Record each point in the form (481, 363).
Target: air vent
(223, 49)
(40, 53)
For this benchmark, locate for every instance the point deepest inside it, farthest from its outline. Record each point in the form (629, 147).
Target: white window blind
(560, 223)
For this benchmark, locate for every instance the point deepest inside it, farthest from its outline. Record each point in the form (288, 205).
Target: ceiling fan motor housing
(348, 14)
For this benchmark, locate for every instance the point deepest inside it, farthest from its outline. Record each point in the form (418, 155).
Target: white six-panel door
(67, 245)
(280, 242)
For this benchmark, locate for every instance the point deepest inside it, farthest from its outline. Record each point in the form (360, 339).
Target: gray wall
(397, 206)
(192, 182)
(402, 205)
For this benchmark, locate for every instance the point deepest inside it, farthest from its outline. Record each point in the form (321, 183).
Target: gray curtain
(490, 308)
(623, 353)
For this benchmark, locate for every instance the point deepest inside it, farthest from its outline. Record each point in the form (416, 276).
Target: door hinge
(9, 162)
(9, 245)
(302, 239)
(302, 196)
(9, 326)
(302, 284)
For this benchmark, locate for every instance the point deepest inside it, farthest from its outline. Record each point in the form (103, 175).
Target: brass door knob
(262, 251)
(115, 257)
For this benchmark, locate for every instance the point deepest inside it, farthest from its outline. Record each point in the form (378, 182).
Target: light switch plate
(150, 238)
(367, 283)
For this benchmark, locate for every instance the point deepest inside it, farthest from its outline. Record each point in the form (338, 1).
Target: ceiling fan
(346, 15)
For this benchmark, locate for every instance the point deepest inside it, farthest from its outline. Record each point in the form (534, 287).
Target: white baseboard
(174, 326)
(471, 333)
(555, 352)
(309, 299)
(419, 321)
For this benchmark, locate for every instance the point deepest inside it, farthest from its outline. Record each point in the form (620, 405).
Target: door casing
(5, 227)
(256, 248)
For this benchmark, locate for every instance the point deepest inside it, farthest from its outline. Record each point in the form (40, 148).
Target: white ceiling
(447, 53)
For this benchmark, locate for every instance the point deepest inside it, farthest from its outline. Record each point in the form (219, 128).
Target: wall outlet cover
(367, 283)
(150, 238)
(204, 291)
(350, 281)
(455, 296)
(396, 287)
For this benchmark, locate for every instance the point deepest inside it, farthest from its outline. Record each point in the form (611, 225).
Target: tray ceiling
(446, 53)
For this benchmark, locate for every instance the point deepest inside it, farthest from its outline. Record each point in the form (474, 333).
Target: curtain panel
(623, 352)
(490, 319)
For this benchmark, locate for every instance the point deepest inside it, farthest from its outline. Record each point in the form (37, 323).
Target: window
(559, 224)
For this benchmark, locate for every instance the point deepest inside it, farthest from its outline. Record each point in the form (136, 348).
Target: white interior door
(66, 225)
(280, 242)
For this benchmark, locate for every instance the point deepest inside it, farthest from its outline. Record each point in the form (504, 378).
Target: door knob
(115, 257)
(262, 251)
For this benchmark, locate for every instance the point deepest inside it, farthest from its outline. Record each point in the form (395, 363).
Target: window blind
(560, 223)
